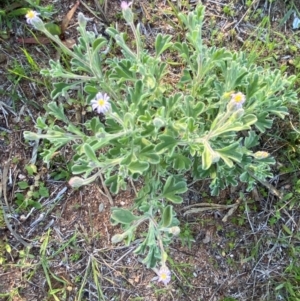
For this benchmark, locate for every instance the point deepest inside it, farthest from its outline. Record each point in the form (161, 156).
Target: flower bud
(82, 20)
(76, 182)
(38, 24)
(127, 12)
(261, 155)
(174, 230)
(117, 238)
(237, 114)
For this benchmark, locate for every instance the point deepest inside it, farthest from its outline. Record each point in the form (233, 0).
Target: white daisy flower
(31, 16)
(164, 275)
(238, 99)
(101, 103)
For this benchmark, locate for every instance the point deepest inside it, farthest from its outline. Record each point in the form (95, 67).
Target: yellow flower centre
(163, 276)
(30, 14)
(238, 98)
(101, 102)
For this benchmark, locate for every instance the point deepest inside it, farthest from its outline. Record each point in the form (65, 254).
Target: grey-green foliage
(159, 131)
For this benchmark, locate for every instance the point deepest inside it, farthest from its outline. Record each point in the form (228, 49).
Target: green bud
(128, 15)
(237, 114)
(76, 182)
(174, 230)
(261, 155)
(117, 238)
(82, 20)
(38, 24)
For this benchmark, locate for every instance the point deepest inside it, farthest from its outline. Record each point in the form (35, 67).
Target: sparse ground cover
(56, 241)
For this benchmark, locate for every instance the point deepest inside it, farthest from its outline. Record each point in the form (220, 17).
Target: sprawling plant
(206, 122)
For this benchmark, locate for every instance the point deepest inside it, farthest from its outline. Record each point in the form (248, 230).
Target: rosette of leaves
(161, 132)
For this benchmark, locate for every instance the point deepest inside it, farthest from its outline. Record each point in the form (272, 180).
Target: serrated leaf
(180, 162)
(239, 79)
(113, 183)
(75, 130)
(79, 169)
(166, 143)
(244, 176)
(198, 108)
(40, 123)
(182, 49)
(186, 77)
(123, 216)
(162, 43)
(136, 93)
(263, 122)
(99, 43)
(252, 87)
(251, 140)
(231, 152)
(57, 111)
(191, 124)
(123, 71)
(127, 159)
(167, 216)
(172, 188)
(89, 152)
(138, 167)
(147, 130)
(60, 89)
(95, 124)
(249, 119)
(149, 155)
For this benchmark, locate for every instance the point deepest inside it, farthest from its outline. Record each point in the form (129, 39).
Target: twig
(108, 195)
(231, 210)
(208, 206)
(134, 189)
(58, 196)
